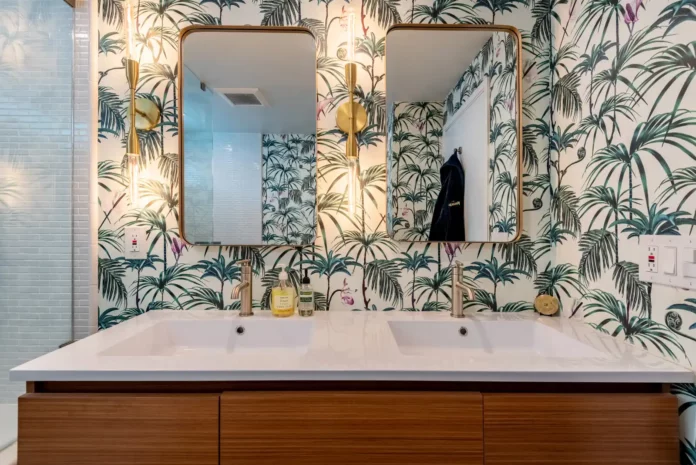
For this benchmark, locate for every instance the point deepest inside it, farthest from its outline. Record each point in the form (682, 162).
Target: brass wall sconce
(143, 114)
(351, 118)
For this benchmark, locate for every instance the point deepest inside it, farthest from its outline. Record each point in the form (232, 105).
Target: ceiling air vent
(244, 97)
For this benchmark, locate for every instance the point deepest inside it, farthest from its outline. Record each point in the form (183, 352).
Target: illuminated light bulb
(134, 175)
(353, 184)
(130, 30)
(351, 35)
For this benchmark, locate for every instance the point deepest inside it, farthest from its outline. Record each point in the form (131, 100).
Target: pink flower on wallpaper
(343, 22)
(451, 249)
(177, 248)
(346, 296)
(321, 106)
(631, 12)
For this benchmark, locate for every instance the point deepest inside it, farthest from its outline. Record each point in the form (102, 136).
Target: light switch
(689, 266)
(668, 260)
(689, 270)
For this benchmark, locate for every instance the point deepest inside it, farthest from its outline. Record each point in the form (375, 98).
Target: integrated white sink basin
(495, 337)
(209, 337)
(206, 345)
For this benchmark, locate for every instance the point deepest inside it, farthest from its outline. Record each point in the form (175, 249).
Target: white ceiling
(280, 64)
(424, 65)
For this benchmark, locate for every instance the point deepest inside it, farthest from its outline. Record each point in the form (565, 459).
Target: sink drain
(240, 329)
(463, 331)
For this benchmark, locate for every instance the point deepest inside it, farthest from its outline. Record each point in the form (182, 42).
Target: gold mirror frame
(180, 114)
(518, 47)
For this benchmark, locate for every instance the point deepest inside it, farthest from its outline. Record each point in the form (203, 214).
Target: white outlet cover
(135, 243)
(685, 257)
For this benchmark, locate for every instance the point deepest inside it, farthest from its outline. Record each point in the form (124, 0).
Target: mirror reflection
(453, 155)
(249, 135)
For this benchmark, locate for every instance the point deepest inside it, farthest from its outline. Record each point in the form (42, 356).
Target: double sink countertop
(351, 346)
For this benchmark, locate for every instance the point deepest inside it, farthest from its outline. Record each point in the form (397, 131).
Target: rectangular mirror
(454, 133)
(247, 135)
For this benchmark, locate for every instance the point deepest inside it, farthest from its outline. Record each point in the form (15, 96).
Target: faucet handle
(458, 264)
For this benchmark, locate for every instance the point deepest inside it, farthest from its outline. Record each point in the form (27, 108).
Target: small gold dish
(546, 305)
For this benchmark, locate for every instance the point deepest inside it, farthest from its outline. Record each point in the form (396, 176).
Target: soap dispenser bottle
(283, 296)
(305, 305)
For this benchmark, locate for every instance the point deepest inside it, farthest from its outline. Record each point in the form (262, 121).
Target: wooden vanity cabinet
(351, 428)
(118, 429)
(580, 429)
(343, 424)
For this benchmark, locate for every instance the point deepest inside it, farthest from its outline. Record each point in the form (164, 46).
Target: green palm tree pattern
(495, 67)
(288, 189)
(415, 158)
(609, 143)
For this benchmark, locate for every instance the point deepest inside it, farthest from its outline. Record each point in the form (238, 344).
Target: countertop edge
(473, 376)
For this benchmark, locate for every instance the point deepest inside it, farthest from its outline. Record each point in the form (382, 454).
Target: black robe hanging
(448, 218)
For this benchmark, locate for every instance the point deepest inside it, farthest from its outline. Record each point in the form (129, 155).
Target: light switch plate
(674, 258)
(668, 260)
(135, 243)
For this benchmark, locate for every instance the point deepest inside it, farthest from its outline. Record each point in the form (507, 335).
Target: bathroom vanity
(211, 387)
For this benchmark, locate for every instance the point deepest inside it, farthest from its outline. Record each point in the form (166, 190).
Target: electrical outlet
(668, 260)
(135, 243)
(652, 258)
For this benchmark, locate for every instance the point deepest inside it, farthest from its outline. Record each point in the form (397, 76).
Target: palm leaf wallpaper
(415, 148)
(288, 189)
(609, 142)
(496, 67)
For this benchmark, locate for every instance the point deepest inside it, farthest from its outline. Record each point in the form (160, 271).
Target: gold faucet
(243, 290)
(458, 288)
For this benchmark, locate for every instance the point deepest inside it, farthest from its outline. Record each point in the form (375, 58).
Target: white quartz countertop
(351, 346)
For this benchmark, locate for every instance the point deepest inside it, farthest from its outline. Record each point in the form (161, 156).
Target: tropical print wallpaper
(496, 67)
(289, 189)
(621, 163)
(414, 146)
(608, 144)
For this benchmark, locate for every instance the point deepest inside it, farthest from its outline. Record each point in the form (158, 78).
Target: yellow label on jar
(282, 302)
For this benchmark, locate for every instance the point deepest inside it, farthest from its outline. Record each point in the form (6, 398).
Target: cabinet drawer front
(581, 429)
(345, 428)
(112, 429)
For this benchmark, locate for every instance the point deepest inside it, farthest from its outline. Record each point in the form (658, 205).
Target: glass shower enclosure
(36, 156)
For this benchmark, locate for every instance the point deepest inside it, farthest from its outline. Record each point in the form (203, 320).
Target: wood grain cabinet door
(581, 429)
(113, 429)
(351, 428)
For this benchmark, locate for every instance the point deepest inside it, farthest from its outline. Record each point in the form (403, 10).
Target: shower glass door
(36, 153)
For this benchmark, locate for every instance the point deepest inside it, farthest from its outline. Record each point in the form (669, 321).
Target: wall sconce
(143, 114)
(351, 118)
